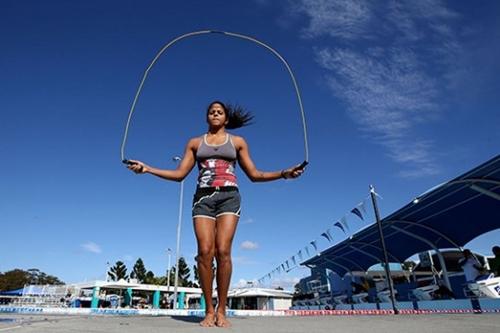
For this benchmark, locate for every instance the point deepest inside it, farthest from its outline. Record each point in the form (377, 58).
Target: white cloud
(285, 282)
(245, 283)
(390, 65)
(248, 221)
(91, 247)
(343, 18)
(249, 245)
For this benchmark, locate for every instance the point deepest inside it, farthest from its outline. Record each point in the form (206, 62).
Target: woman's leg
(204, 229)
(226, 228)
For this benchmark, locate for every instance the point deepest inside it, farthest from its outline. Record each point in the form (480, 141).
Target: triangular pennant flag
(343, 220)
(326, 236)
(307, 250)
(329, 234)
(339, 225)
(357, 212)
(300, 254)
(287, 264)
(283, 267)
(279, 269)
(313, 243)
(294, 261)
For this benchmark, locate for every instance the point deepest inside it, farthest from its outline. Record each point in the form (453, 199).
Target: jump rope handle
(303, 165)
(128, 162)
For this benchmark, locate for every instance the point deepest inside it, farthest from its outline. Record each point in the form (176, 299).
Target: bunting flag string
(359, 210)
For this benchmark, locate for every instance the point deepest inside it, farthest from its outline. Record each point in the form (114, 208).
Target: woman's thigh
(204, 229)
(225, 230)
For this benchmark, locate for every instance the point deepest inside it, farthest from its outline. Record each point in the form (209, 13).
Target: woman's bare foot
(209, 320)
(221, 320)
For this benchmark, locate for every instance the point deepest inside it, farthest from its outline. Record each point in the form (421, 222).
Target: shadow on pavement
(189, 319)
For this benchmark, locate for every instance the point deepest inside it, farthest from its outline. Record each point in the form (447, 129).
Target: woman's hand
(293, 172)
(138, 166)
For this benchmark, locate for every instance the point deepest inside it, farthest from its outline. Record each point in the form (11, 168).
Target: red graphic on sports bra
(216, 173)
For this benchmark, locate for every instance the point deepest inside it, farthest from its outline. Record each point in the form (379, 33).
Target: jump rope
(230, 34)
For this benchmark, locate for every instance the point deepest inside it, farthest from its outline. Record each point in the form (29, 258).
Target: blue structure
(94, 304)
(447, 216)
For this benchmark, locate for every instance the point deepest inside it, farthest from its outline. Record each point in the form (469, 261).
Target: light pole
(179, 222)
(169, 252)
(107, 270)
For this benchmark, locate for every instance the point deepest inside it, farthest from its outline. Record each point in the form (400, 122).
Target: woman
(216, 203)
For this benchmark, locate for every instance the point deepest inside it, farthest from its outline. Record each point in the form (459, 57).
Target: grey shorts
(214, 204)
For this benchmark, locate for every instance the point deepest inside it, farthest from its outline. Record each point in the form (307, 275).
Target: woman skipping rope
(216, 202)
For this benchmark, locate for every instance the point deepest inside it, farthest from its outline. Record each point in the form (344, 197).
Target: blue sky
(400, 95)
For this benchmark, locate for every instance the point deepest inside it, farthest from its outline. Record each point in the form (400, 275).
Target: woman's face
(216, 115)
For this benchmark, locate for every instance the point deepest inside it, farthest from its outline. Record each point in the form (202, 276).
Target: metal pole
(382, 242)
(176, 283)
(169, 252)
(107, 270)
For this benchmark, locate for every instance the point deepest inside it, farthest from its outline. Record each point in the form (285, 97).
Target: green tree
(184, 274)
(297, 289)
(196, 283)
(39, 277)
(118, 271)
(18, 278)
(14, 279)
(139, 271)
(149, 278)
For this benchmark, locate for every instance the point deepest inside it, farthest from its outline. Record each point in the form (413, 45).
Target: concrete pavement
(443, 323)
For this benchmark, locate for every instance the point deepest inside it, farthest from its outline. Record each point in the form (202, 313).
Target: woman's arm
(256, 175)
(186, 165)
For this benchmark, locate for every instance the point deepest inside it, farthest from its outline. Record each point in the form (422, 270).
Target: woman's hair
(237, 116)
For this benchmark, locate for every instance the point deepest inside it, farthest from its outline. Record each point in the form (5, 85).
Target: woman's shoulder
(237, 140)
(195, 141)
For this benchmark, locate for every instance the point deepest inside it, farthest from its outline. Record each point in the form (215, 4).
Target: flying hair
(237, 115)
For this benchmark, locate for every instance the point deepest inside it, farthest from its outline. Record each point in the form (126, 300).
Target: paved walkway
(452, 323)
